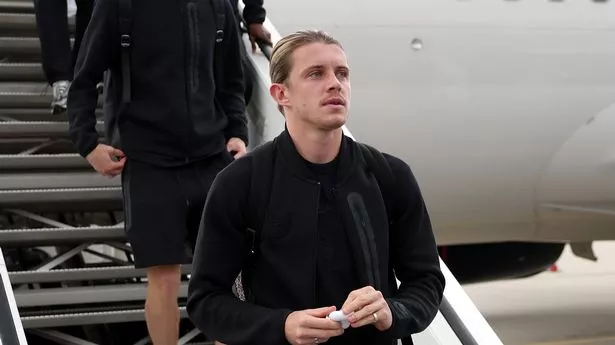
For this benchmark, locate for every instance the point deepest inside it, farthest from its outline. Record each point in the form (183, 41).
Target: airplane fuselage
(505, 110)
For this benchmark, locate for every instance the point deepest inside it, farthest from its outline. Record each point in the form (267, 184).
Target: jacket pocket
(194, 46)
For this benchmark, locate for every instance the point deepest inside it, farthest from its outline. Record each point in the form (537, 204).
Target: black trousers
(52, 24)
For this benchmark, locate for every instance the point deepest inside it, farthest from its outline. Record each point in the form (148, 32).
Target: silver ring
(375, 317)
(316, 341)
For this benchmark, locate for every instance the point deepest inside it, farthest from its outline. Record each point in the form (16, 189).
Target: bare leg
(161, 309)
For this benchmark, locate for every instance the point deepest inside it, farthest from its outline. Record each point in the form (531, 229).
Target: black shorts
(163, 208)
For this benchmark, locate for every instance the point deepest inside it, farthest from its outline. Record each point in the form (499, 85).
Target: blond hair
(281, 61)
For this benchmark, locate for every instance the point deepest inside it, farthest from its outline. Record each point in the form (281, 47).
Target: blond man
(313, 225)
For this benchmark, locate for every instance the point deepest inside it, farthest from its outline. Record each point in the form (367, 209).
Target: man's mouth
(335, 101)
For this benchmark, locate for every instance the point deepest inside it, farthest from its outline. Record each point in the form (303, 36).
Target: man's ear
(279, 94)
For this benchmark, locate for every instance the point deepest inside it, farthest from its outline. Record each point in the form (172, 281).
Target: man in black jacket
(254, 15)
(312, 228)
(183, 124)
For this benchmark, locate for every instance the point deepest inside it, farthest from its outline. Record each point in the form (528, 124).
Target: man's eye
(315, 74)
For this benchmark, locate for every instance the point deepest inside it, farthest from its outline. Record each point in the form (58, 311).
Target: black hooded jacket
(282, 275)
(177, 114)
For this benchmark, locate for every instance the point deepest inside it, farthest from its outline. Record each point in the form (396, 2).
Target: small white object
(71, 8)
(339, 316)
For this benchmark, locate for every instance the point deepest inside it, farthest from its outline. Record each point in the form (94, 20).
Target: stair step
(20, 47)
(85, 294)
(25, 71)
(18, 23)
(31, 114)
(24, 100)
(13, 6)
(23, 24)
(57, 162)
(54, 180)
(88, 318)
(29, 100)
(18, 146)
(60, 236)
(82, 274)
(50, 129)
(37, 114)
(63, 199)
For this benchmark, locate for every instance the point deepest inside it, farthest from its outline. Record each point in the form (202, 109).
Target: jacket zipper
(315, 251)
(192, 70)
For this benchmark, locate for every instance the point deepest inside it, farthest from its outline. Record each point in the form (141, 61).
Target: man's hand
(236, 147)
(311, 326)
(368, 306)
(257, 32)
(102, 159)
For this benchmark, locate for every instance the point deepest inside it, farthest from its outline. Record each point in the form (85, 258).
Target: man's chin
(334, 123)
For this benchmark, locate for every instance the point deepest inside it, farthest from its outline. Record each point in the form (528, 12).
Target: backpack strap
(383, 173)
(220, 17)
(261, 165)
(125, 26)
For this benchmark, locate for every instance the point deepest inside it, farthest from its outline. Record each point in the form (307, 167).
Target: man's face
(318, 87)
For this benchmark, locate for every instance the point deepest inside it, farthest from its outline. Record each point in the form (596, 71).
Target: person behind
(254, 15)
(324, 240)
(181, 127)
(58, 58)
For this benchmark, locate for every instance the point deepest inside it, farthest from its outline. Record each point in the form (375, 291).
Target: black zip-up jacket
(177, 114)
(282, 277)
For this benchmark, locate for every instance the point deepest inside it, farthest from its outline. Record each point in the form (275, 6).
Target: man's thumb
(320, 312)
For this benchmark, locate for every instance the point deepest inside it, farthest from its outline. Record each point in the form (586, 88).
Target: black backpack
(125, 28)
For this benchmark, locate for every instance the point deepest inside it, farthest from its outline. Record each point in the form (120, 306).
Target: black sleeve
(219, 256)
(254, 12)
(414, 257)
(94, 58)
(231, 91)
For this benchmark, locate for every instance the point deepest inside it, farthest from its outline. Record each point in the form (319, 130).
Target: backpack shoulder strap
(261, 171)
(220, 15)
(261, 180)
(125, 26)
(381, 169)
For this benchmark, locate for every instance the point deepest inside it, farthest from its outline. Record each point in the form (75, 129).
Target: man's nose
(334, 82)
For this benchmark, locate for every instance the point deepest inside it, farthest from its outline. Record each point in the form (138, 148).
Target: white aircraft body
(505, 110)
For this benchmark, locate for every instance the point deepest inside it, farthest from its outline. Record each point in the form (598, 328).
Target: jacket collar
(293, 160)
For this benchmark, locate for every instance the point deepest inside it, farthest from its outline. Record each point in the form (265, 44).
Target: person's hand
(311, 326)
(236, 147)
(257, 32)
(102, 160)
(368, 306)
